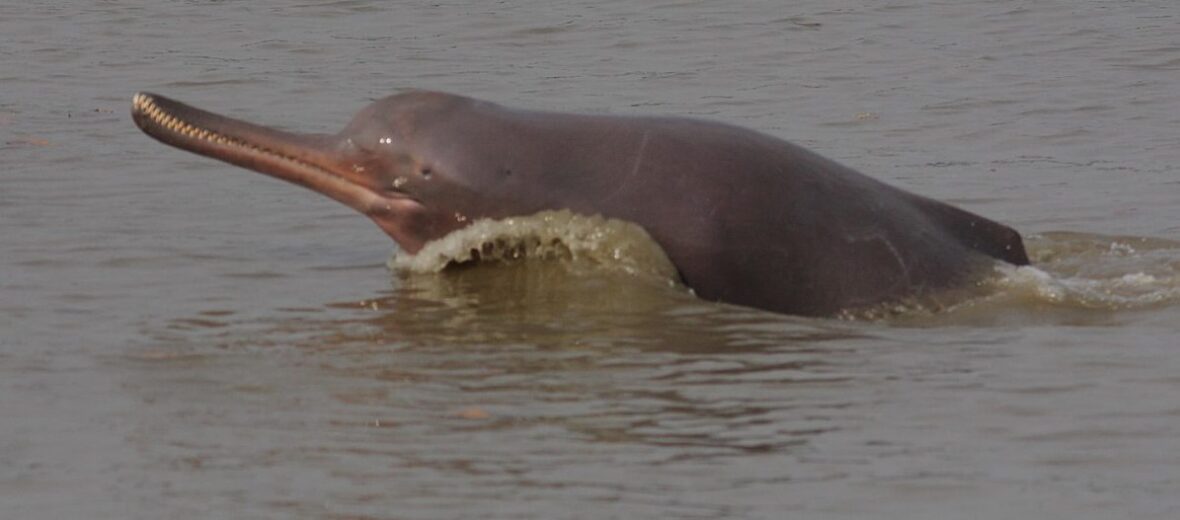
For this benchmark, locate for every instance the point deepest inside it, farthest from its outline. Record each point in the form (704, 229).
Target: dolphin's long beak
(308, 160)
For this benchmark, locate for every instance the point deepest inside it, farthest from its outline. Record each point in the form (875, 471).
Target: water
(180, 338)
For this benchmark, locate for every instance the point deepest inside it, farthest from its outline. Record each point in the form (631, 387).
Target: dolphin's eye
(426, 172)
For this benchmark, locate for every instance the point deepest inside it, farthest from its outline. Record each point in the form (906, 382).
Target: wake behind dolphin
(745, 218)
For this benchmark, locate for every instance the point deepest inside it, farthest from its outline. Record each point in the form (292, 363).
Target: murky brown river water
(183, 339)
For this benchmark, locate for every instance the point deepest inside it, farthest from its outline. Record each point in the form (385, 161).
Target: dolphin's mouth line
(145, 105)
(172, 128)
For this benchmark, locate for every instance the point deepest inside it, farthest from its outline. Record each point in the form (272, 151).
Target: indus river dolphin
(746, 218)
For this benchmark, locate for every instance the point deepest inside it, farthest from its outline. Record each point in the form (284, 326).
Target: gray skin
(747, 218)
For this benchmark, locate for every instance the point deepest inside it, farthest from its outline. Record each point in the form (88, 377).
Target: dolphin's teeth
(145, 105)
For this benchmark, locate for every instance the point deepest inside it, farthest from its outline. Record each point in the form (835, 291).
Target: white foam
(548, 235)
(1114, 291)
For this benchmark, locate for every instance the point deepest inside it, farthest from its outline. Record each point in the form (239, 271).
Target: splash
(1071, 272)
(582, 242)
(1096, 272)
(1075, 277)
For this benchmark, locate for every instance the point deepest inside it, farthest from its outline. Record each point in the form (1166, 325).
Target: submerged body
(746, 218)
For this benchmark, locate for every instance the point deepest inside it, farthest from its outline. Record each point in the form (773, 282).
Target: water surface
(180, 338)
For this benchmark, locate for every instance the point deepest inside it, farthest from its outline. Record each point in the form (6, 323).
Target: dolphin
(745, 217)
